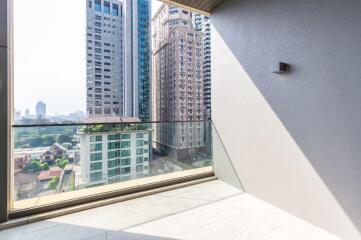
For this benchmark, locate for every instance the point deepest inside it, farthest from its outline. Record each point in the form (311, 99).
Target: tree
(62, 138)
(62, 162)
(48, 139)
(44, 166)
(34, 166)
(32, 141)
(53, 183)
(67, 145)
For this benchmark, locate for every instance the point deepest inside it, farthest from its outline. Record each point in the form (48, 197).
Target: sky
(49, 54)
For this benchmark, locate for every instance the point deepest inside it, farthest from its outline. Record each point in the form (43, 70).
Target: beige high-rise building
(178, 80)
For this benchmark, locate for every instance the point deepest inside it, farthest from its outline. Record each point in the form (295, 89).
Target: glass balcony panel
(55, 163)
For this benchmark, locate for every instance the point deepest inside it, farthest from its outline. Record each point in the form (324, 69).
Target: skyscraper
(202, 23)
(137, 59)
(178, 80)
(40, 110)
(27, 112)
(118, 71)
(105, 58)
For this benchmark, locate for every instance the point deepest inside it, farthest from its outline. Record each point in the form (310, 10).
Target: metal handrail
(98, 123)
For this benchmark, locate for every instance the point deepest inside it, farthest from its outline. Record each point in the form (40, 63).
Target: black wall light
(280, 68)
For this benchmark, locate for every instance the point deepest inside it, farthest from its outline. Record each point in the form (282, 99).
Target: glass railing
(55, 164)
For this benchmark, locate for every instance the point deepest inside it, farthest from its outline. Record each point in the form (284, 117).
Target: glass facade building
(144, 96)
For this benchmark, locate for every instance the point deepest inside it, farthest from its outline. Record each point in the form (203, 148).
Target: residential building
(118, 71)
(48, 175)
(105, 60)
(40, 110)
(54, 152)
(114, 155)
(202, 23)
(178, 80)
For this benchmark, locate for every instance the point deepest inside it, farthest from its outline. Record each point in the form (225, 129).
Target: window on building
(115, 10)
(125, 144)
(98, 5)
(125, 161)
(140, 151)
(106, 7)
(125, 153)
(139, 160)
(139, 168)
(126, 136)
(96, 176)
(95, 147)
(95, 166)
(125, 170)
(95, 156)
(95, 138)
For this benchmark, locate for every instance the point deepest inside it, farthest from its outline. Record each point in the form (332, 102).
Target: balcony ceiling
(204, 6)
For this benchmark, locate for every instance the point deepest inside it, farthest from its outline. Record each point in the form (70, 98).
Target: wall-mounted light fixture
(280, 68)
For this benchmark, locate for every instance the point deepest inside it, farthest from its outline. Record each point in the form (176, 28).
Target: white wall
(298, 143)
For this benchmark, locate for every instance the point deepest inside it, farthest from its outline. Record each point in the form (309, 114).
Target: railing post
(5, 105)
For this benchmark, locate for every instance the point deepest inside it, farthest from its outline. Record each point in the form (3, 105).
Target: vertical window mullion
(5, 106)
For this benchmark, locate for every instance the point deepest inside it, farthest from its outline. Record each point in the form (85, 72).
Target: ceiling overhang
(203, 6)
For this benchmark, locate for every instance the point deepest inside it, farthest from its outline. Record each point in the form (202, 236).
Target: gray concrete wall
(294, 139)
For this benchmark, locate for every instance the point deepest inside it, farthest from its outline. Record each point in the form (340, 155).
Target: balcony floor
(212, 210)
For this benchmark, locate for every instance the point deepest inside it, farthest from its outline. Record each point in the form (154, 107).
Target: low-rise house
(54, 152)
(48, 175)
(21, 160)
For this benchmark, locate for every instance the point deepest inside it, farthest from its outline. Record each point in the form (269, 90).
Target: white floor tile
(209, 211)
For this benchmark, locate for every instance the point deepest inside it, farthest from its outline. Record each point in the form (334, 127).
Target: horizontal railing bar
(91, 124)
(108, 195)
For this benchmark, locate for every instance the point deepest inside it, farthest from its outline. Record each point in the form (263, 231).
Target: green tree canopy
(62, 138)
(53, 183)
(48, 139)
(61, 162)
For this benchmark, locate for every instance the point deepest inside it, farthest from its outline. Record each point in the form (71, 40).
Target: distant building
(27, 113)
(54, 152)
(40, 110)
(178, 81)
(113, 155)
(77, 116)
(17, 115)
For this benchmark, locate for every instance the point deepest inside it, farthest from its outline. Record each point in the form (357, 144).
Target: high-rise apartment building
(118, 71)
(40, 110)
(202, 23)
(105, 58)
(178, 80)
(27, 112)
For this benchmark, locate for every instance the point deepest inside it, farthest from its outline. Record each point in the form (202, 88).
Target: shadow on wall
(298, 141)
